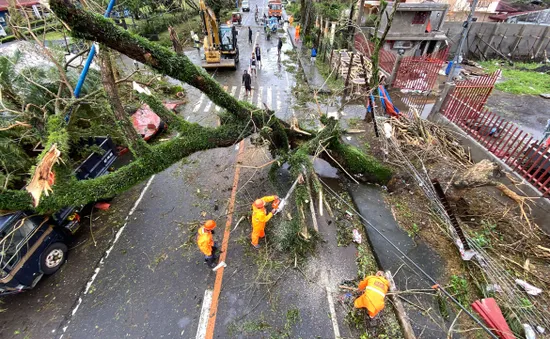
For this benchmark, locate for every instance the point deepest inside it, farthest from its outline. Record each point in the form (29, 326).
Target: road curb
(322, 90)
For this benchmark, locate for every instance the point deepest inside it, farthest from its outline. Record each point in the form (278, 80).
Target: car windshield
(12, 239)
(226, 37)
(275, 6)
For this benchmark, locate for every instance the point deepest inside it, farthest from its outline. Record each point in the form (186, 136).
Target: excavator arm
(211, 29)
(212, 43)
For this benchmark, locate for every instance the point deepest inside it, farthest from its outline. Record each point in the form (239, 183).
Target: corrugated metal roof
(20, 3)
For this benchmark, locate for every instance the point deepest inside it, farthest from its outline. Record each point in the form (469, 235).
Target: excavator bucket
(224, 63)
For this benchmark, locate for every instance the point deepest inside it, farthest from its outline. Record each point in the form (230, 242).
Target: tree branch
(94, 27)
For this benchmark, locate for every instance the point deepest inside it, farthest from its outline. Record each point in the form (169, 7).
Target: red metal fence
(386, 59)
(420, 72)
(526, 155)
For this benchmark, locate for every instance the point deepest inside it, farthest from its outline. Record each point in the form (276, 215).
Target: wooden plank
(402, 317)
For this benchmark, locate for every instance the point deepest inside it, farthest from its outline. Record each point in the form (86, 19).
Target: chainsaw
(279, 205)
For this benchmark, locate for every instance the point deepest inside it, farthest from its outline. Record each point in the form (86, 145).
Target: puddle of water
(324, 169)
(183, 322)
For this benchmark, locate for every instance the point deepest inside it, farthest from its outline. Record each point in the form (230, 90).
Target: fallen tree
(240, 120)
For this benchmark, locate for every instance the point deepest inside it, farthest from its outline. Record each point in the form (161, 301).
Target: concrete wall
(402, 22)
(513, 40)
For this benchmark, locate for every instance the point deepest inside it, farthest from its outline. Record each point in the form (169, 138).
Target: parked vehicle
(32, 245)
(236, 18)
(147, 123)
(245, 6)
(275, 9)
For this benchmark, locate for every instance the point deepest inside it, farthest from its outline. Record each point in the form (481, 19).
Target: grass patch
(336, 85)
(522, 78)
(183, 29)
(54, 35)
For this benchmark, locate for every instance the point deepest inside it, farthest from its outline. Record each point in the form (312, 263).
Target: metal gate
(386, 59)
(420, 72)
(526, 155)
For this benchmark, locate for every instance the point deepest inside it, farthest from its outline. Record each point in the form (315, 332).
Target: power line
(432, 280)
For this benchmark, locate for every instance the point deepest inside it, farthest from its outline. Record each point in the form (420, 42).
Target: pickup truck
(32, 245)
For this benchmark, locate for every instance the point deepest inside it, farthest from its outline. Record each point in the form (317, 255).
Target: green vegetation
(260, 325)
(522, 78)
(336, 85)
(483, 236)
(184, 31)
(38, 30)
(458, 287)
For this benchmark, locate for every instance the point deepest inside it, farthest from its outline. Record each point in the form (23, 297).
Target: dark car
(32, 245)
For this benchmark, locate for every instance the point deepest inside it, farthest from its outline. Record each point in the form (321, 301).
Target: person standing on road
(297, 33)
(258, 53)
(279, 48)
(206, 243)
(260, 217)
(313, 55)
(376, 287)
(247, 82)
(253, 65)
(249, 35)
(196, 42)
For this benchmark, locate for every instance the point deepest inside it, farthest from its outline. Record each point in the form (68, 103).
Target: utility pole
(465, 29)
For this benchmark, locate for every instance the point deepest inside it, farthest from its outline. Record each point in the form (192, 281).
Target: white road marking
(233, 90)
(279, 102)
(242, 90)
(198, 104)
(106, 255)
(205, 312)
(270, 98)
(208, 106)
(218, 108)
(259, 104)
(251, 95)
(333, 315)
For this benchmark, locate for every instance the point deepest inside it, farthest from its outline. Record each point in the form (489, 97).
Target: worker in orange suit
(206, 243)
(260, 217)
(297, 33)
(376, 287)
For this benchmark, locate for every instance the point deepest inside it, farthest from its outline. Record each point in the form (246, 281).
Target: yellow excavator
(220, 41)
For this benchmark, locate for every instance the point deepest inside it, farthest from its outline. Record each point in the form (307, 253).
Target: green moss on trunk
(357, 162)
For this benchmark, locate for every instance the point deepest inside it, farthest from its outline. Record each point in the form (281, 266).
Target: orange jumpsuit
(259, 218)
(375, 291)
(205, 241)
(297, 33)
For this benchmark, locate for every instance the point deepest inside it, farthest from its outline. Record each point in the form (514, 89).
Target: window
(420, 18)
(12, 240)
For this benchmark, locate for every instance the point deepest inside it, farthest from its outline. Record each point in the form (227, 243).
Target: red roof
(20, 3)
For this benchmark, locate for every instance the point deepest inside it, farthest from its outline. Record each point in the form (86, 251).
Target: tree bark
(93, 27)
(192, 137)
(134, 141)
(178, 48)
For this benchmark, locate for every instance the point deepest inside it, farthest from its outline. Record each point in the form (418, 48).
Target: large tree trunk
(93, 27)
(134, 141)
(192, 137)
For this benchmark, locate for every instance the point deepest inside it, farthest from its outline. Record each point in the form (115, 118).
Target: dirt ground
(528, 111)
(490, 219)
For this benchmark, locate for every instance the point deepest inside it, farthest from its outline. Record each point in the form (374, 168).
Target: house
(522, 13)
(416, 28)
(459, 9)
(31, 5)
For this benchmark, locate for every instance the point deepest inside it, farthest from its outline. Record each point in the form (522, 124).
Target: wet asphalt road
(153, 282)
